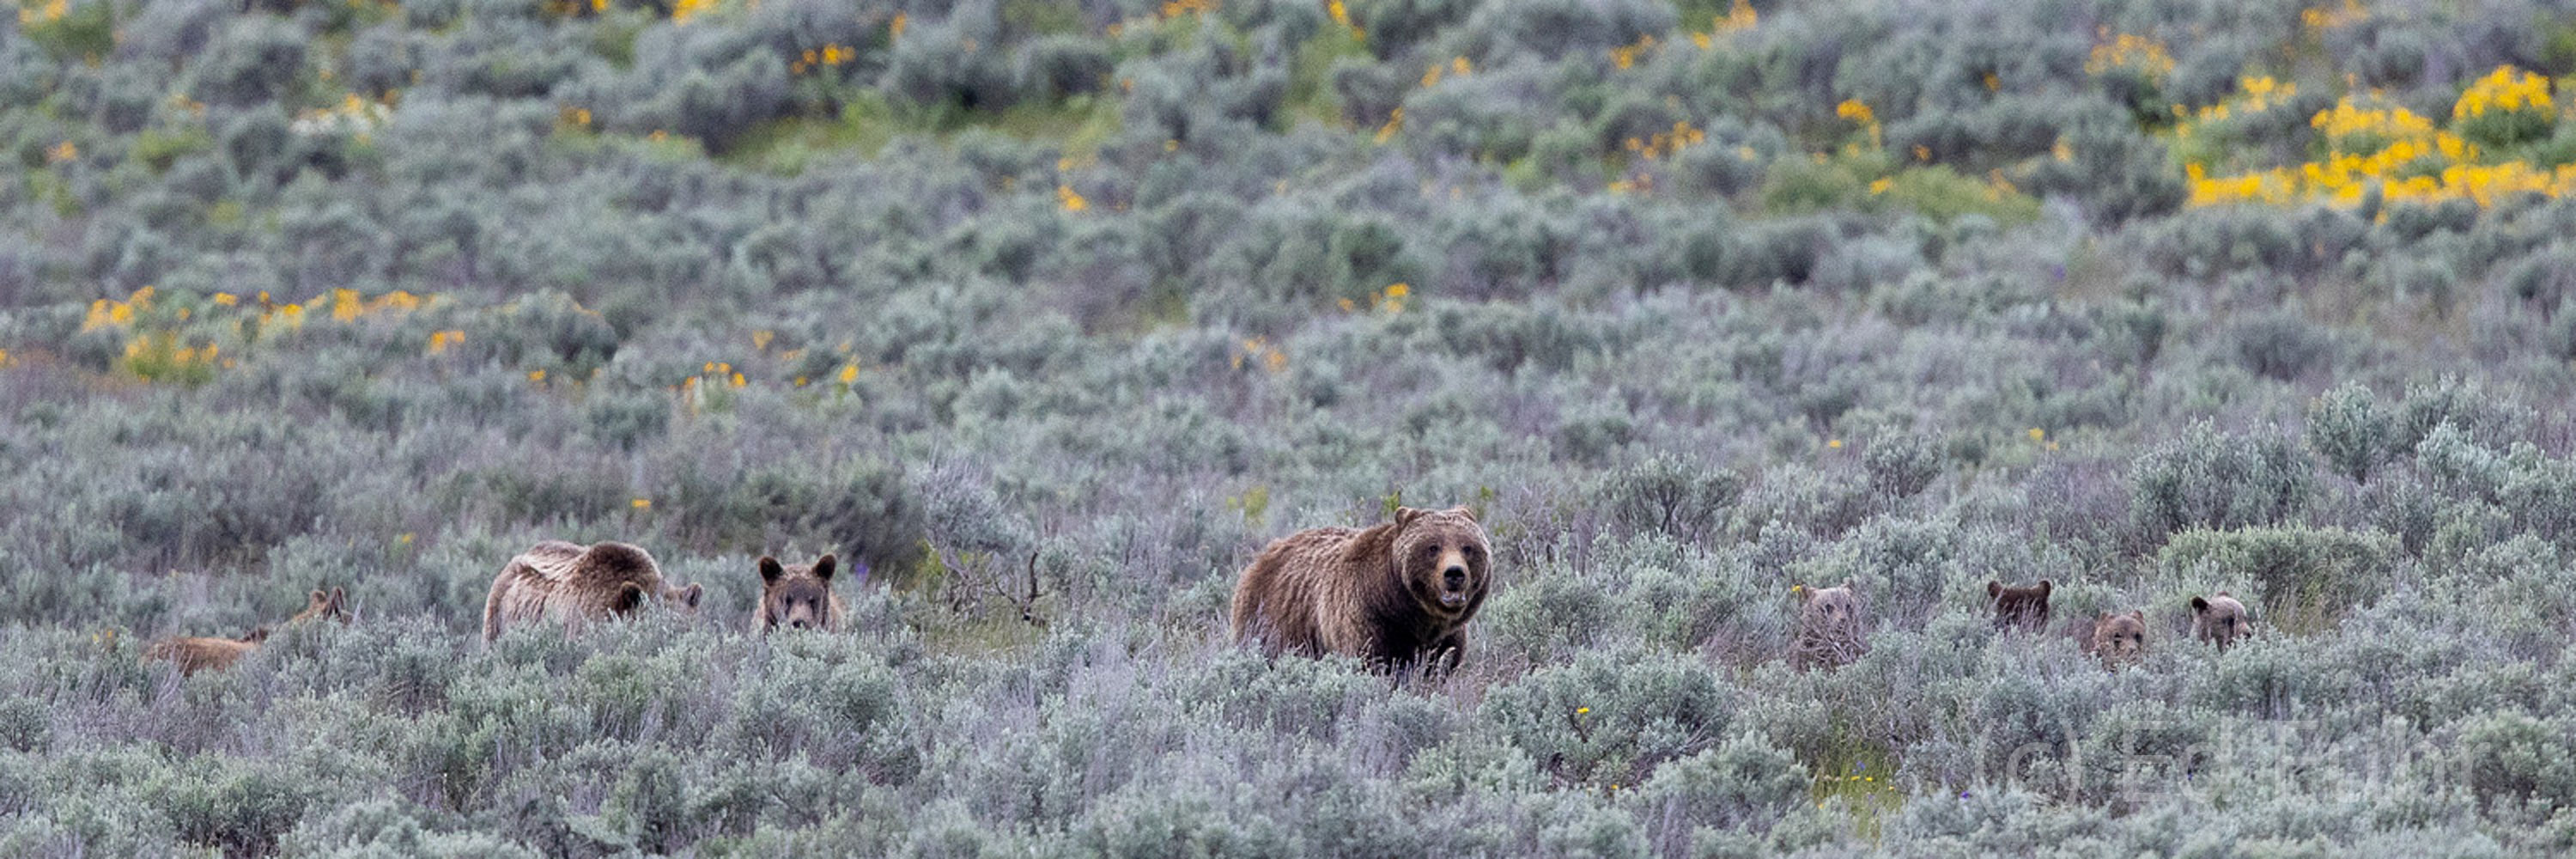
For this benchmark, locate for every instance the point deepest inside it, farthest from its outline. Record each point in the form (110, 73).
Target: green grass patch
(1079, 125)
(159, 148)
(83, 31)
(1310, 80)
(1042, 17)
(1862, 778)
(1863, 180)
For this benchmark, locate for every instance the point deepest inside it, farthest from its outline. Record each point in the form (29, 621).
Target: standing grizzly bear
(2220, 620)
(799, 596)
(2118, 639)
(1829, 627)
(1393, 595)
(575, 585)
(2020, 608)
(193, 654)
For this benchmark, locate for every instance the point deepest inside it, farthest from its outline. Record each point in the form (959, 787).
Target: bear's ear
(2140, 614)
(2045, 586)
(1850, 585)
(1404, 517)
(2200, 605)
(2225, 594)
(629, 595)
(1463, 511)
(690, 595)
(1994, 589)
(824, 566)
(1802, 592)
(770, 570)
(2105, 616)
(317, 599)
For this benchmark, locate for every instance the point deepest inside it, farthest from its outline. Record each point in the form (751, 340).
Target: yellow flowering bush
(2405, 155)
(2506, 107)
(2132, 53)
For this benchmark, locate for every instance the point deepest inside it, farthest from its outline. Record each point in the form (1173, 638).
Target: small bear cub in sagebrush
(2025, 609)
(193, 654)
(2220, 620)
(2118, 639)
(1395, 594)
(574, 585)
(799, 596)
(1829, 627)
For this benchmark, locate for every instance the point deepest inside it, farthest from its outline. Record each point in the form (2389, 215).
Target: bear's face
(325, 606)
(629, 598)
(1834, 610)
(683, 600)
(2220, 620)
(2026, 608)
(1442, 559)
(798, 596)
(2120, 639)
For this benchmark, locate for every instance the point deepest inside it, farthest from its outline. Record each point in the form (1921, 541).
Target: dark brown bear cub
(1394, 594)
(799, 596)
(2025, 609)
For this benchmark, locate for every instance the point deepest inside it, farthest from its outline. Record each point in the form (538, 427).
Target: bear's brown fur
(799, 596)
(2220, 620)
(193, 654)
(1829, 628)
(1394, 594)
(2118, 639)
(324, 606)
(575, 585)
(2020, 608)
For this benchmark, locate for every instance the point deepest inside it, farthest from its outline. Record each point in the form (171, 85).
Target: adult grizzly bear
(1393, 594)
(799, 596)
(575, 585)
(2118, 639)
(2020, 608)
(1829, 627)
(194, 654)
(2220, 620)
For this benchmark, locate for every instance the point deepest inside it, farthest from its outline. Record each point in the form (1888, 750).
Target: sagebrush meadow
(1042, 318)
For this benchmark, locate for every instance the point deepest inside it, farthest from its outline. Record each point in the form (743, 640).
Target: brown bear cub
(799, 596)
(1829, 628)
(1394, 594)
(193, 654)
(575, 585)
(2118, 639)
(2025, 609)
(2220, 620)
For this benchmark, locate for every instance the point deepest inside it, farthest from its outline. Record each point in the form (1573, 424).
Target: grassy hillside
(1053, 312)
